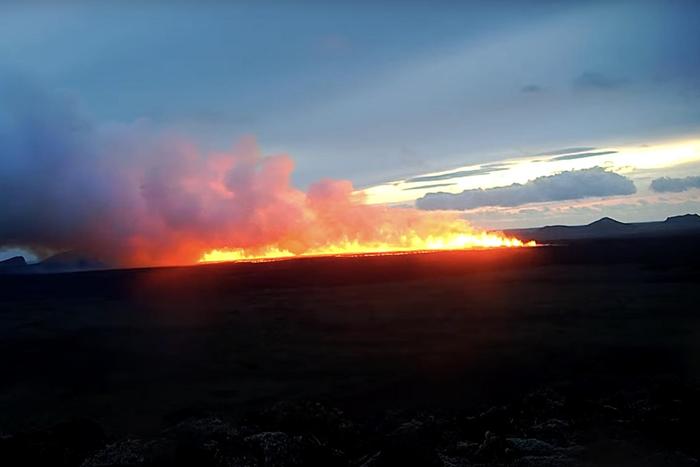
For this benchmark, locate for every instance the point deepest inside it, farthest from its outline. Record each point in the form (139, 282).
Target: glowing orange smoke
(385, 230)
(242, 206)
(165, 202)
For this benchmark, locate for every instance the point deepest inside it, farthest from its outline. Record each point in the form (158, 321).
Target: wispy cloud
(427, 187)
(558, 152)
(531, 88)
(582, 155)
(484, 170)
(596, 81)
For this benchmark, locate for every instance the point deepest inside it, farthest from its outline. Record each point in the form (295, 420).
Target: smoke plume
(132, 196)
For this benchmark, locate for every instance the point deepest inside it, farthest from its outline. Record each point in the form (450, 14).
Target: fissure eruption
(132, 196)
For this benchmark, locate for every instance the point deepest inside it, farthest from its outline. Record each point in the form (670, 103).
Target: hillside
(611, 228)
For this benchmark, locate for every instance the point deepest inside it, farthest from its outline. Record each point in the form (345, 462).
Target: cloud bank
(574, 184)
(674, 185)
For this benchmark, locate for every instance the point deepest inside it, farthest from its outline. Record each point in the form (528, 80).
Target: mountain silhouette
(69, 261)
(607, 227)
(12, 263)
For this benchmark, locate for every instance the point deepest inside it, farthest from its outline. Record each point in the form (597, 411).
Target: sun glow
(631, 160)
(455, 241)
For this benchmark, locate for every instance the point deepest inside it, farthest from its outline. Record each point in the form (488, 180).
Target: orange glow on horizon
(242, 206)
(450, 241)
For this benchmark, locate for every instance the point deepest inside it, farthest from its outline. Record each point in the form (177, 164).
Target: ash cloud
(130, 195)
(675, 185)
(569, 185)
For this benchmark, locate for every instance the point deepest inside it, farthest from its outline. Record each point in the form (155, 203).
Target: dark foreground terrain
(581, 354)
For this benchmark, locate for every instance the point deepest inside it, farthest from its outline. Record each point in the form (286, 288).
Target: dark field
(592, 328)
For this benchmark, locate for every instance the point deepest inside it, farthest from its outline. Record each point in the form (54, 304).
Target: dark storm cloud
(425, 187)
(575, 184)
(582, 155)
(460, 173)
(675, 185)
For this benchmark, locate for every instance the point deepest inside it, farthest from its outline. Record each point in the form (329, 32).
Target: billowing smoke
(129, 195)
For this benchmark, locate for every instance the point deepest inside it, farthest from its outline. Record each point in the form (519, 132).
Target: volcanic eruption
(133, 196)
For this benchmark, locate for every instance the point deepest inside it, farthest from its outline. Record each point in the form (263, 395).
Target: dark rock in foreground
(65, 444)
(646, 427)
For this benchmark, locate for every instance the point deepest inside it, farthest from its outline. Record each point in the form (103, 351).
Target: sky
(440, 105)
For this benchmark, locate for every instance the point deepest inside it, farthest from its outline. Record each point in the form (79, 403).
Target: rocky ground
(549, 427)
(553, 356)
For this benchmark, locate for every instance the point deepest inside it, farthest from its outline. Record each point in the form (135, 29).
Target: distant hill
(684, 220)
(611, 228)
(12, 264)
(69, 261)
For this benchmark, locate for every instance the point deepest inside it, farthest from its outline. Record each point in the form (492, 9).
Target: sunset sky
(519, 113)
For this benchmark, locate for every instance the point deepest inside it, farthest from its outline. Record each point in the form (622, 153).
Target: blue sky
(370, 90)
(374, 92)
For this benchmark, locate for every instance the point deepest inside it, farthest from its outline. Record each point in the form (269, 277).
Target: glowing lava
(408, 243)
